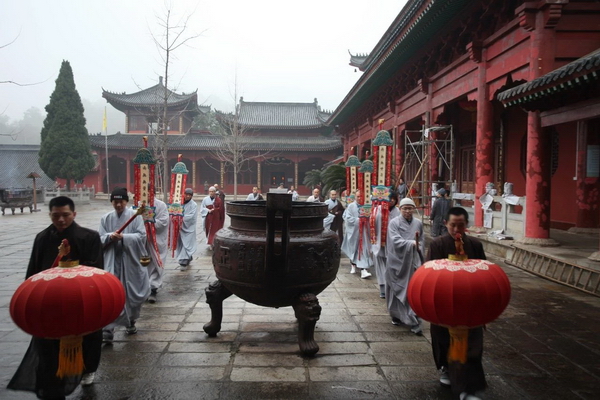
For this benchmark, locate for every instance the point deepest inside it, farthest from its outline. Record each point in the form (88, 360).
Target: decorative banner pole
(144, 166)
(352, 166)
(364, 201)
(382, 154)
(175, 206)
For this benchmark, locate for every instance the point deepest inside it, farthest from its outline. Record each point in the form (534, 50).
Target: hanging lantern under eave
(66, 303)
(459, 295)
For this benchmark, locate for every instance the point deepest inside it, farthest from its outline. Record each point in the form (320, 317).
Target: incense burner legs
(306, 309)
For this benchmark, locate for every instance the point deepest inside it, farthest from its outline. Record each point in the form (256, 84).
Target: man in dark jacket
(37, 372)
(467, 380)
(438, 213)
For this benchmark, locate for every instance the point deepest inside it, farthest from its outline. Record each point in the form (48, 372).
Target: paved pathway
(545, 346)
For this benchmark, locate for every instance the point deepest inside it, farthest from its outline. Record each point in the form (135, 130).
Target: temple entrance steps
(576, 276)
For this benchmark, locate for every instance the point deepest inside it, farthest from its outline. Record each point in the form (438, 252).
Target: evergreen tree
(65, 149)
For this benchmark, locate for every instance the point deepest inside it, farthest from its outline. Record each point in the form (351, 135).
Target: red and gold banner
(143, 191)
(178, 181)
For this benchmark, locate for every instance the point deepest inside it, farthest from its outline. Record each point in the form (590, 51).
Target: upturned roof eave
(580, 72)
(402, 40)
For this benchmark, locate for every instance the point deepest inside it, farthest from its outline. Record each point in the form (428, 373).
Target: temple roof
(16, 162)
(273, 115)
(151, 98)
(417, 25)
(579, 73)
(195, 141)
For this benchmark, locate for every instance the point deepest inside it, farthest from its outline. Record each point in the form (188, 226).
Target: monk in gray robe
(155, 269)
(122, 253)
(404, 255)
(187, 242)
(334, 220)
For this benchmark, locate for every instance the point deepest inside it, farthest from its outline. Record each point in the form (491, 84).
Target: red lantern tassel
(459, 344)
(70, 357)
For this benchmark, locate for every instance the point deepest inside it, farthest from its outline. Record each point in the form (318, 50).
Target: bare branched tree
(238, 145)
(14, 82)
(174, 36)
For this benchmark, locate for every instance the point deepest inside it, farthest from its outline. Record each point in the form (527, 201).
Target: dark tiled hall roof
(16, 162)
(152, 97)
(194, 141)
(282, 115)
(577, 73)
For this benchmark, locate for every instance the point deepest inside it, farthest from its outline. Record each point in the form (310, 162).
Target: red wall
(563, 212)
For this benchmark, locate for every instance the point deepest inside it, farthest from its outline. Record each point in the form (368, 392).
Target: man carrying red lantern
(468, 379)
(37, 372)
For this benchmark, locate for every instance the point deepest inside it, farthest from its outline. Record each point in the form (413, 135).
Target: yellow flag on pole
(104, 121)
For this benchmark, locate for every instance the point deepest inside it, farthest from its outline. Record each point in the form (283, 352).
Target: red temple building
(488, 91)
(282, 141)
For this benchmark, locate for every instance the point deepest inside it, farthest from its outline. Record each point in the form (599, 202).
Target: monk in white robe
(404, 256)
(187, 242)
(334, 220)
(155, 269)
(378, 248)
(360, 257)
(122, 259)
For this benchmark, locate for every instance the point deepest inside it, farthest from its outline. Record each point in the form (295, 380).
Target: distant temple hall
(281, 141)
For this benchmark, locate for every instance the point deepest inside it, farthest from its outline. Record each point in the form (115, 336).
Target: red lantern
(459, 295)
(66, 303)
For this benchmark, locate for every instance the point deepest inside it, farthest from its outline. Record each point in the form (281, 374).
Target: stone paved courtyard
(546, 345)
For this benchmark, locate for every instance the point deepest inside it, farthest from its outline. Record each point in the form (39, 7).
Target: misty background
(264, 50)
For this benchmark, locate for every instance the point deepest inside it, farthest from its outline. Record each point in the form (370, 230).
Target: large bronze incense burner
(274, 254)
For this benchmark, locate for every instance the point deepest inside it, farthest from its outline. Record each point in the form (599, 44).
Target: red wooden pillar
(484, 139)
(538, 172)
(537, 186)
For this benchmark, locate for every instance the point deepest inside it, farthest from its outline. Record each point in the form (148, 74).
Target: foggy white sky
(280, 50)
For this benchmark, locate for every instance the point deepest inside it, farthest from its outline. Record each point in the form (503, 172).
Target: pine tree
(65, 149)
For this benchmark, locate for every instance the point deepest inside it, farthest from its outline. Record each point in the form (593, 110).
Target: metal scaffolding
(433, 151)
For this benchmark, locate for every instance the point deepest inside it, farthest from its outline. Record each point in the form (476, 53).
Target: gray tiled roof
(16, 162)
(580, 72)
(152, 97)
(282, 115)
(193, 141)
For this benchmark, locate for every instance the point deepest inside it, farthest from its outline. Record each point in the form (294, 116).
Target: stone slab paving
(545, 346)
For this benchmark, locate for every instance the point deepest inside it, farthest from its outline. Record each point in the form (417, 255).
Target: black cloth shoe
(107, 336)
(152, 297)
(131, 329)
